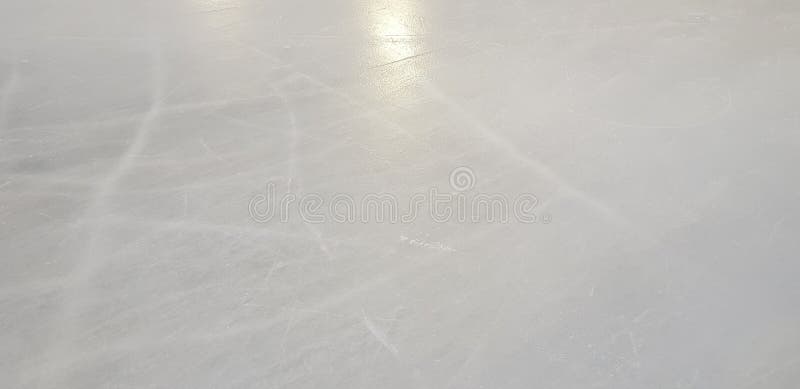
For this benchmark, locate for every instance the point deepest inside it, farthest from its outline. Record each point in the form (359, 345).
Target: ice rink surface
(661, 139)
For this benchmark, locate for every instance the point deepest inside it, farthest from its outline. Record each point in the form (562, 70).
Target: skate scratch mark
(378, 334)
(208, 11)
(544, 170)
(346, 97)
(211, 151)
(761, 378)
(726, 109)
(775, 229)
(427, 245)
(634, 345)
(275, 266)
(641, 316)
(402, 59)
(185, 204)
(5, 97)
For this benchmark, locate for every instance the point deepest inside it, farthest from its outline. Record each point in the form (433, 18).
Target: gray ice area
(661, 139)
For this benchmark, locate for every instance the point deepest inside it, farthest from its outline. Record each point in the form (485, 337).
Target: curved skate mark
(76, 284)
(292, 169)
(99, 201)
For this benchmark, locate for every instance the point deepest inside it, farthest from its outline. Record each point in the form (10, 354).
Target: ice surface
(662, 140)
